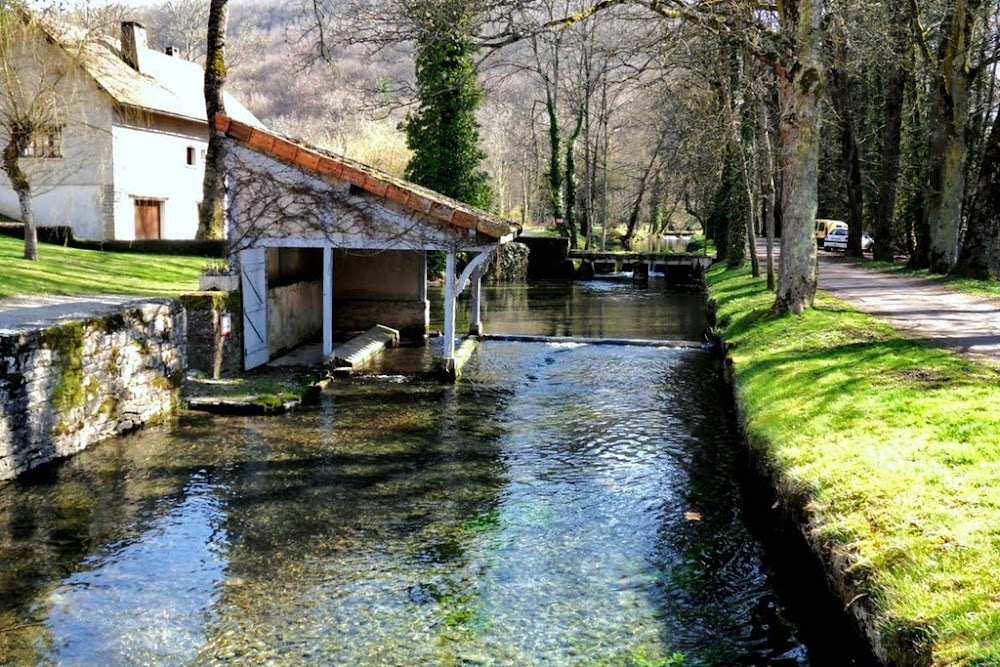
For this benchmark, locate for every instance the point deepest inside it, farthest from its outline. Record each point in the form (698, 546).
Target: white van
(824, 227)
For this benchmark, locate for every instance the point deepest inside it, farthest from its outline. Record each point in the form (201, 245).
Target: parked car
(824, 227)
(837, 240)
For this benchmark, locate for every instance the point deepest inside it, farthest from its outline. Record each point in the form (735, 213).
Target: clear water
(562, 505)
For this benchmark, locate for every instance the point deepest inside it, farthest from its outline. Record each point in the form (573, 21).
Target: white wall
(150, 162)
(66, 190)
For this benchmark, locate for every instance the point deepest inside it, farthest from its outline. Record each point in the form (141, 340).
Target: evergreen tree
(443, 132)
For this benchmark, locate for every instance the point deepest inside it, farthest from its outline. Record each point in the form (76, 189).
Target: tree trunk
(769, 199)
(571, 181)
(979, 256)
(555, 170)
(750, 216)
(948, 152)
(891, 139)
(951, 81)
(849, 155)
(633, 219)
(800, 86)
(16, 145)
(211, 211)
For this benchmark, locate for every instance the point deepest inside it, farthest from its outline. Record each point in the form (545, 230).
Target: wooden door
(147, 219)
(253, 267)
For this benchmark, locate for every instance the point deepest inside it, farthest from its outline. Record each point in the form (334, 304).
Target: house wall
(150, 162)
(66, 190)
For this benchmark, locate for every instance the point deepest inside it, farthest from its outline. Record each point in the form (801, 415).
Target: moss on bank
(66, 342)
(891, 450)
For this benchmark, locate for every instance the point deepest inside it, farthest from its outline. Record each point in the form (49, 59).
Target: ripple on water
(562, 505)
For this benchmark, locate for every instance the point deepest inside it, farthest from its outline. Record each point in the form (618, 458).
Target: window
(45, 142)
(191, 156)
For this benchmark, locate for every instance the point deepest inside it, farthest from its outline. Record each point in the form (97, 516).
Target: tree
(979, 256)
(211, 211)
(33, 102)
(948, 51)
(443, 132)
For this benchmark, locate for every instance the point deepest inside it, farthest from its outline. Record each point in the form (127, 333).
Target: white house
(125, 159)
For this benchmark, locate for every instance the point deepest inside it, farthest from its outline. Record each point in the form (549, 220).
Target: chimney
(172, 52)
(133, 43)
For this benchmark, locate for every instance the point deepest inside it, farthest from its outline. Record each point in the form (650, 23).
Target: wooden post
(327, 303)
(448, 358)
(476, 325)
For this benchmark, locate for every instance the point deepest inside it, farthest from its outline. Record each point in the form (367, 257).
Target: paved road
(18, 313)
(922, 310)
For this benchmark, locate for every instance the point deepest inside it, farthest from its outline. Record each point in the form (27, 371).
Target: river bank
(887, 454)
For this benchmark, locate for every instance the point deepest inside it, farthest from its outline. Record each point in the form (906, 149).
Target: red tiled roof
(369, 179)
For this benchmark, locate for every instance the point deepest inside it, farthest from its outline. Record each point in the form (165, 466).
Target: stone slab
(363, 347)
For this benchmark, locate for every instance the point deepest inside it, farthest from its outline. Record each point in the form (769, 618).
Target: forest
(619, 120)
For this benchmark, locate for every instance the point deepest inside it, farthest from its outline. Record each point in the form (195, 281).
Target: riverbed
(563, 504)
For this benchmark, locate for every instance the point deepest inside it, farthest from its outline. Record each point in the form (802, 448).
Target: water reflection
(592, 308)
(564, 504)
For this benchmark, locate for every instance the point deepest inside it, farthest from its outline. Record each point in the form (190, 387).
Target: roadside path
(923, 311)
(18, 313)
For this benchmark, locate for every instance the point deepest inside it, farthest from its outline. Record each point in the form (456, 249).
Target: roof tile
(442, 212)
(396, 194)
(354, 176)
(307, 159)
(464, 219)
(376, 186)
(262, 140)
(286, 150)
(239, 131)
(328, 167)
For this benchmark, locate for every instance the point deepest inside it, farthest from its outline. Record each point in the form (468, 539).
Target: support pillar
(448, 357)
(327, 303)
(476, 317)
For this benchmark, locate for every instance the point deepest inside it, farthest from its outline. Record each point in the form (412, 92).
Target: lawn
(62, 270)
(892, 449)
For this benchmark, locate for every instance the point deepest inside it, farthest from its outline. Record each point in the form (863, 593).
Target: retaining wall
(69, 385)
(209, 349)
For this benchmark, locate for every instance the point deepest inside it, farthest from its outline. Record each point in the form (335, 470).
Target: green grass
(62, 270)
(893, 449)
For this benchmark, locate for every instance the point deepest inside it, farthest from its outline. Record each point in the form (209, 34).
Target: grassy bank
(62, 270)
(894, 451)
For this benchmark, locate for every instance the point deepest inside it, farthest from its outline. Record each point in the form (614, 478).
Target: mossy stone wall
(66, 386)
(208, 349)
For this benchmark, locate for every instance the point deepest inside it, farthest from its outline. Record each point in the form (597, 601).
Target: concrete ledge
(451, 369)
(363, 347)
(583, 340)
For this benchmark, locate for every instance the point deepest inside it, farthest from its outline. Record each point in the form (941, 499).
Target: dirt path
(924, 311)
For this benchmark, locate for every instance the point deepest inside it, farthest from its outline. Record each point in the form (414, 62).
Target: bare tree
(211, 216)
(36, 65)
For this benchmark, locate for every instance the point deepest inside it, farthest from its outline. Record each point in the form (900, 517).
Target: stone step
(364, 346)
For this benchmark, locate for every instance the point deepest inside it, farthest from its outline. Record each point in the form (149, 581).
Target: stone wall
(294, 315)
(209, 349)
(547, 257)
(69, 385)
(407, 317)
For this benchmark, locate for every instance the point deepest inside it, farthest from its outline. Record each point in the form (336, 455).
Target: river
(563, 504)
